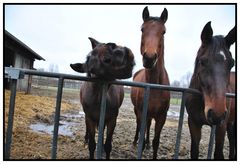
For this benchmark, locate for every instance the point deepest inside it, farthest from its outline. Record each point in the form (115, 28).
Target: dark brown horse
(211, 77)
(231, 125)
(107, 61)
(152, 50)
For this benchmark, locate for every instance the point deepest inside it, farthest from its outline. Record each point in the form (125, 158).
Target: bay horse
(105, 61)
(152, 50)
(211, 77)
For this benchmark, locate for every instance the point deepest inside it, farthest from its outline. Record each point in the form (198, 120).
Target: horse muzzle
(213, 119)
(149, 61)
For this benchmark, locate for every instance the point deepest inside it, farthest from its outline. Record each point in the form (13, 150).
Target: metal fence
(14, 74)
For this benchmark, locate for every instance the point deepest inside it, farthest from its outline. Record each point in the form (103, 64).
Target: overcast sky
(59, 33)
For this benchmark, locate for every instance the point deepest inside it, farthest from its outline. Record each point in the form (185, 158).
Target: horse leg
(110, 129)
(231, 138)
(219, 141)
(149, 120)
(235, 145)
(159, 122)
(86, 137)
(138, 120)
(195, 131)
(91, 137)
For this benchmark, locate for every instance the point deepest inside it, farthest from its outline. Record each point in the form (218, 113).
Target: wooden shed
(18, 55)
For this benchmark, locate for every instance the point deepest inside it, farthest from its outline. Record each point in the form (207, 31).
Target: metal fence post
(101, 121)
(57, 117)
(180, 124)
(10, 118)
(211, 142)
(143, 123)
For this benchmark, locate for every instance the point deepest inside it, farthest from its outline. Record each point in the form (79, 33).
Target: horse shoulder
(138, 76)
(83, 93)
(137, 91)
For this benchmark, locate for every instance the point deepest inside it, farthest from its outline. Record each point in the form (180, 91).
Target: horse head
(152, 42)
(212, 68)
(108, 61)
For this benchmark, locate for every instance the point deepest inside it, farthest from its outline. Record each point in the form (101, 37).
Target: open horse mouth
(149, 62)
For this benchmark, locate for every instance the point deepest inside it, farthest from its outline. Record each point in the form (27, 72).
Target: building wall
(25, 63)
(18, 55)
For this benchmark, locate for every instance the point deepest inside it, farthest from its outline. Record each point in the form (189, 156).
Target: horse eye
(203, 62)
(163, 32)
(118, 53)
(142, 29)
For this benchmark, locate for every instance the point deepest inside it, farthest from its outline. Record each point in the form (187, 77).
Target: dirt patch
(29, 144)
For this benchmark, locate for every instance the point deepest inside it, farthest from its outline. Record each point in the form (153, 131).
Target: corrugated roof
(20, 43)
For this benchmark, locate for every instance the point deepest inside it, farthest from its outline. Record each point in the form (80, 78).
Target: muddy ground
(34, 116)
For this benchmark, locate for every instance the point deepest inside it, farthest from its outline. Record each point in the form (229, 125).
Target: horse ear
(145, 14)
(79, 67)
(94, 42)
(207, 33)
(231, 37)
(164, 15)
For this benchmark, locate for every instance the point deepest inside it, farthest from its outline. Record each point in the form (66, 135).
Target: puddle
(67, 125)
(69, 122)
(72, 117)
(174, 112)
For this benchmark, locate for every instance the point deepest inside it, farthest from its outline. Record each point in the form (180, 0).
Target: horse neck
(157, 73)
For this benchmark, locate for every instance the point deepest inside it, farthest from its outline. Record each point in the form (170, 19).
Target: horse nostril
(118, 53)
(214, 119)
(107, 60)
(210, 113)
(144, 55)
(155, 56)
(211, 117)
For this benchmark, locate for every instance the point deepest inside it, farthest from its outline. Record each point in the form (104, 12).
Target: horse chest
(157, 103)
(95, 103)
(195, 109)
(91, 102)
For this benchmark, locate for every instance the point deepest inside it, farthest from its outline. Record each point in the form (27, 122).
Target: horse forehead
(222, 53)
(153, 24)
(100, 50)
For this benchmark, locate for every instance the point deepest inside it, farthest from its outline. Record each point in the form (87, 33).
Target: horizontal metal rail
(14, 74)
(21, 73)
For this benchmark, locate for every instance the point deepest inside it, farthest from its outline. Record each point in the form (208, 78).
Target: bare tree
(40, 69)
(176, 83)
(53, 68)
(185, 80)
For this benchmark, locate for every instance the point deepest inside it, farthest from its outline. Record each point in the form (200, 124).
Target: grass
(175, 101)
(69, 93)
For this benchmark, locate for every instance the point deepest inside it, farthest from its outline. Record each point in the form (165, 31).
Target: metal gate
(14, 74)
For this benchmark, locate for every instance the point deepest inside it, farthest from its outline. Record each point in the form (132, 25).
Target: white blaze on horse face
(223, 54)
